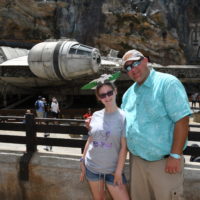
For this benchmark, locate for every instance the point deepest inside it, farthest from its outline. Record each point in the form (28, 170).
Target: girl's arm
(86, 146)
(82, 164)
(120, 163)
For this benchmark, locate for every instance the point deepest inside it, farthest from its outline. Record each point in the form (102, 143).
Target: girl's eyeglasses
(103, 95)
(129, 67)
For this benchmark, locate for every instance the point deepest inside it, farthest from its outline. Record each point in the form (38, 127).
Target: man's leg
(139, 186)
(166, 186)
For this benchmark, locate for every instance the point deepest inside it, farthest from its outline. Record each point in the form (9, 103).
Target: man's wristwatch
(174, 155)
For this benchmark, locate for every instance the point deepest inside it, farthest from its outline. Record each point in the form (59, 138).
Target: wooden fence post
(30, 133)
(31, 147)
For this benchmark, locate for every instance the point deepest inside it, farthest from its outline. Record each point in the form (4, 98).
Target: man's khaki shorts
(149, 181)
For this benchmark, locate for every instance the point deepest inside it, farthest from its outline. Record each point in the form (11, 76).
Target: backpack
(37, 106)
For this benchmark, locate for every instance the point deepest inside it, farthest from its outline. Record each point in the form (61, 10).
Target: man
(46, 107)
(157, 114)
(46, 110)
(39, 105)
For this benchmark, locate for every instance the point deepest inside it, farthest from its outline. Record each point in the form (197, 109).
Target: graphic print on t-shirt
(101, 140)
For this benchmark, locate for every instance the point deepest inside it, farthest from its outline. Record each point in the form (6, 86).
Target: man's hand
(173, 165)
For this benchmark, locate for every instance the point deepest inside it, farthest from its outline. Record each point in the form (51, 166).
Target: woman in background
(55, 108)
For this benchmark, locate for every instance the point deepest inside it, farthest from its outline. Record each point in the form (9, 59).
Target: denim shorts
(108, 178)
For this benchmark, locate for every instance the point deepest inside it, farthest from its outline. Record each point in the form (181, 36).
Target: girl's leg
(97, 188)
(118, 192)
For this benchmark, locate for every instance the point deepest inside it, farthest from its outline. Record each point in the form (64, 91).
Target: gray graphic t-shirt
(106, 131)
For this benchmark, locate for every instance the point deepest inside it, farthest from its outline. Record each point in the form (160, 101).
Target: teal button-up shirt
(151, 112)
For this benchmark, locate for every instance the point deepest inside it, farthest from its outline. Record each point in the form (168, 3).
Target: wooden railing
(31, 126)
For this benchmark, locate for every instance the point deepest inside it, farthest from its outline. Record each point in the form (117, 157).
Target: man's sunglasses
(128, 68)
(103, 95)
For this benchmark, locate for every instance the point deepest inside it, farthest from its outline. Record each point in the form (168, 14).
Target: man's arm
(181, 128)
(180, 135)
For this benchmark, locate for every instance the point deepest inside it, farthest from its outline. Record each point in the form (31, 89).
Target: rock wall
(164, 30)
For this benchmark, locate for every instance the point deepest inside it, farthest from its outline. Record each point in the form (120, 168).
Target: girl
(105, 151)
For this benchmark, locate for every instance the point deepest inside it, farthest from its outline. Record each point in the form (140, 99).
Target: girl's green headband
(101, 79)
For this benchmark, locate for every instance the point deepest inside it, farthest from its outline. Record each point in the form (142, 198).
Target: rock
(162, 30)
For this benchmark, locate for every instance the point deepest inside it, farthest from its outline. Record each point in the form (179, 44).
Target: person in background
(88, 114)
(194, 99)
(28, 111)
(105, 151)
(157, 115)
(46, 107)
(46, 115)
(39, 105)
(54, 108)
(198, 100)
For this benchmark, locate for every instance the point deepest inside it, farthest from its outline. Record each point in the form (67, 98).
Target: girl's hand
(87, 122)
(118, 179)
(83, 171)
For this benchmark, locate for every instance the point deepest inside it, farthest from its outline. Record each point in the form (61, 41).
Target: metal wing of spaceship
(16, 73)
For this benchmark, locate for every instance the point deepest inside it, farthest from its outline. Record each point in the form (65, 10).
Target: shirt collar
(148, 81)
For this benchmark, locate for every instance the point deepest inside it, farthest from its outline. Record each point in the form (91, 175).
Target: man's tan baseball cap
(131, 55)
